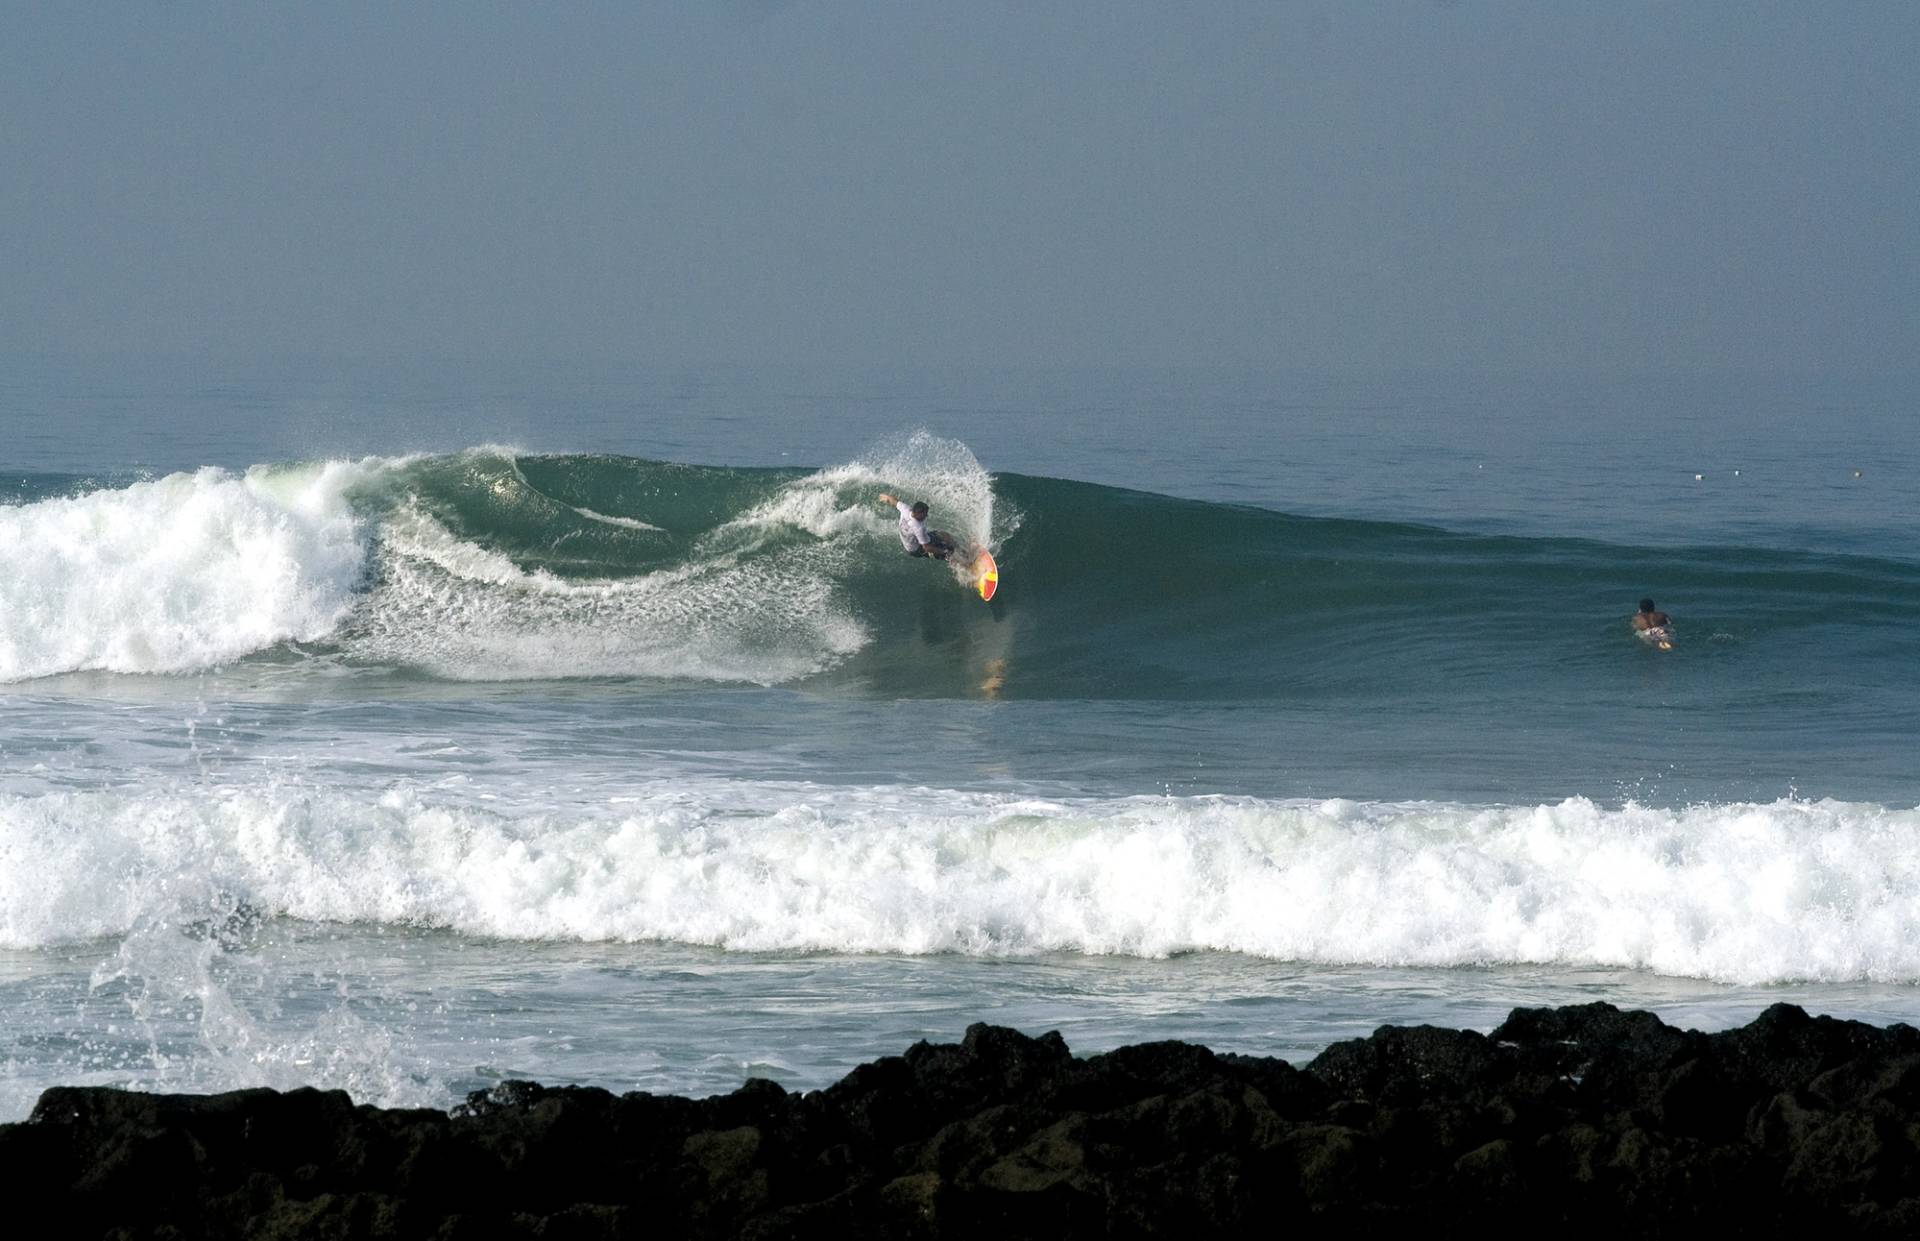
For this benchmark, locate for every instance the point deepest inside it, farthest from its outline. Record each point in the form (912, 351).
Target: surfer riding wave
(914, 535)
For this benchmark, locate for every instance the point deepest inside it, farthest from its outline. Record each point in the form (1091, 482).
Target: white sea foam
(749, 604)
(181, 573)
(1819, 891)
(461, 611)
(627, 523)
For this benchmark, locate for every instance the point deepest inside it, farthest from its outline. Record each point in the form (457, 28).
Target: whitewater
(1738, 893)
(425, 751)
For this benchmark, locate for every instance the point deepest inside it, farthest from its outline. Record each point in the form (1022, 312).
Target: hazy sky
(1346, 185)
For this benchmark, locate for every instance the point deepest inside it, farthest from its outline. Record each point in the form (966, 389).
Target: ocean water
(402, 728)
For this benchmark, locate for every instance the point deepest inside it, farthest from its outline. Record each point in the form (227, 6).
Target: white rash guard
(913, 531)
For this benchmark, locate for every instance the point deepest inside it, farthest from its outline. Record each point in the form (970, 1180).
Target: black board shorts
(939, 546)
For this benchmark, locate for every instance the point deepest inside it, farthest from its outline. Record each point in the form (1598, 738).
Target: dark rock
(1584, 1119)
(1398, 1065)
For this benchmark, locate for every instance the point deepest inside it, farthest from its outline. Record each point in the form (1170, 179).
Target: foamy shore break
(1583, 1118)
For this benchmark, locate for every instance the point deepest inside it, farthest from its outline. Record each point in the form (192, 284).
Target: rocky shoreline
(1582, 1119)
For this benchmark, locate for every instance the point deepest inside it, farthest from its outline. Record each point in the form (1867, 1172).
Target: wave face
(483, 565)
(1749, 893)
(487, 565)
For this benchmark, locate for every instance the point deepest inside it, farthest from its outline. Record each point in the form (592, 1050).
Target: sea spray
(197, 1014)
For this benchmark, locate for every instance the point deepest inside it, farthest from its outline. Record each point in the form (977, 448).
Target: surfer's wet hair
(1646, 605)
(919, 508)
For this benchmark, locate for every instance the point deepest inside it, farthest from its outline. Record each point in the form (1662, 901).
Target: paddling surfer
(914, 535)
(1652, 626)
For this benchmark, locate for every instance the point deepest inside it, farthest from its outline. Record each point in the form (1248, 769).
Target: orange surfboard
(986, 574)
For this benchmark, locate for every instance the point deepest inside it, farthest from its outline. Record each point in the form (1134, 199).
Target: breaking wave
(1749, 893)
(492, 565)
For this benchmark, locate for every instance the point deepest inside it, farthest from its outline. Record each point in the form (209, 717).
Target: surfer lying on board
(914, 535)
(1652, 626)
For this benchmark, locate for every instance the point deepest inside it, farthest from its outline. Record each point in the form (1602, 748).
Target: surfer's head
(1646, 605)
(920, 509)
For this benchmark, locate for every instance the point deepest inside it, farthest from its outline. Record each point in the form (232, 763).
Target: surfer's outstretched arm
(887, 499)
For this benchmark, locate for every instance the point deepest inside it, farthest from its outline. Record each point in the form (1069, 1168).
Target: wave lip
(1743, 893)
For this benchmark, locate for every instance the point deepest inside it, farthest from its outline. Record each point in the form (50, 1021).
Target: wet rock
(1583, 1119)
(1399, 1065)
